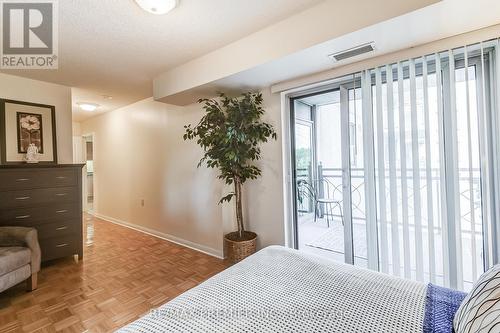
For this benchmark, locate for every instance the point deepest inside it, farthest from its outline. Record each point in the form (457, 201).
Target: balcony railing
(334, 177)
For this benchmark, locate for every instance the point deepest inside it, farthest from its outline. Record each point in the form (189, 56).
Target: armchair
(19, 257)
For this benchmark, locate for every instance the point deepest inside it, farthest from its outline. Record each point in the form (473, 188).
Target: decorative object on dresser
(19, 257)
(24, 125)
(47, 198)
(32, 154)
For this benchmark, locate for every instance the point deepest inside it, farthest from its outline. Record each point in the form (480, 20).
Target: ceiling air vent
(352, 52)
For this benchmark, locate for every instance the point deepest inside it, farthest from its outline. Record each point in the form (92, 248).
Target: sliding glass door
(328, 172)
(304, 157)
(402, 167)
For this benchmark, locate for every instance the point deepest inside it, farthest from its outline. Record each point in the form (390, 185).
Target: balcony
(325, 235)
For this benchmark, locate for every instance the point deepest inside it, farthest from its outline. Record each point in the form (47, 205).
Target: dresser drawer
(58, 247)
(36, 178)
(31, 215)
(58, 229)
(27, 198)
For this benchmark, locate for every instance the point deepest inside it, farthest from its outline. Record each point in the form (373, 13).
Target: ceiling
(118, 50)
(441, 20)
(114, 48)
(324, 22)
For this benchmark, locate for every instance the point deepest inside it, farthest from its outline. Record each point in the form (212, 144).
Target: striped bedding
(283, 290)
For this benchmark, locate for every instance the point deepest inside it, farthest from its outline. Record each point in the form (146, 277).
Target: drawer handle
(62, 228)
(62, 245)
(61, 194)
(60, 177)
(23, 217)
(22, 179)
(61, 211)
(23, 198)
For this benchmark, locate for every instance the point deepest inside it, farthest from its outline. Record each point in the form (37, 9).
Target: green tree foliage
(230, 133)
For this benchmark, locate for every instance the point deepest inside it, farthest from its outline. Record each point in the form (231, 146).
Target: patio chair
(305, 189)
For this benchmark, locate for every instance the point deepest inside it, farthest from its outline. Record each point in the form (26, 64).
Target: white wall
(77, 143)
(140, 154)
(21, 89)
(263, 197)
(77, 129)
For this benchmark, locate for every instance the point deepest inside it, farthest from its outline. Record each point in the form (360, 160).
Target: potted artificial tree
(230, 134)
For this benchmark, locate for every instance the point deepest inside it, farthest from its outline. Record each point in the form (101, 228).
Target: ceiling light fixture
(158, 7)
(88, 106)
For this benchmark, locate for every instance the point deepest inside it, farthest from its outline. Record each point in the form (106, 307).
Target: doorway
(393, 168)
(327, 149)
(89, 181)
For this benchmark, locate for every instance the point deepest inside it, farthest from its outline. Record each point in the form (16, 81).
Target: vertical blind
(431, 137)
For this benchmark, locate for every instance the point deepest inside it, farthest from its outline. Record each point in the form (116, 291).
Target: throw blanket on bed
(284, 290)
(440, 307)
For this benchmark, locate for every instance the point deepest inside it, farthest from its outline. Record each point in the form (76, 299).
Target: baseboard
(179, 241)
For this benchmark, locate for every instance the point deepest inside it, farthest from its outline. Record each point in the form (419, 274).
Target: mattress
(284, 290)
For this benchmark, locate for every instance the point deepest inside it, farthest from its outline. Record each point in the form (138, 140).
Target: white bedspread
(283, 290)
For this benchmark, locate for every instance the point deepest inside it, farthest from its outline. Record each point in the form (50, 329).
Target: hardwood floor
(124, 274)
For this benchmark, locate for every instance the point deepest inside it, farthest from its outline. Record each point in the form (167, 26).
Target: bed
(284, 290)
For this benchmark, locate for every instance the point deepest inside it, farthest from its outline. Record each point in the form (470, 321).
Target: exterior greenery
(230, 134)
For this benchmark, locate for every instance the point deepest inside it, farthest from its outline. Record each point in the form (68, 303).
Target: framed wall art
(23, 124)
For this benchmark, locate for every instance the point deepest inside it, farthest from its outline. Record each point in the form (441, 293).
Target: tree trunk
(239, 209)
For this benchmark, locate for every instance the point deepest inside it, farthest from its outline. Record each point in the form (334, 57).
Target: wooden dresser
(48, 198)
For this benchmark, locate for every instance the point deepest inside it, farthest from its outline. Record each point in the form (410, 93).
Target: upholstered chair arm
(20, 236)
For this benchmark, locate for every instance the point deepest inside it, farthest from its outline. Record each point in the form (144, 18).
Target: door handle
(23, 198)
(23, 217)
(344, 179)
(61, 211)
(22, 179)
(61, 194)
(62, 245)
(62, 228)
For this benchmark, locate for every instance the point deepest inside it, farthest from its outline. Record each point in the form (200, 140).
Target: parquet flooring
(123, 275)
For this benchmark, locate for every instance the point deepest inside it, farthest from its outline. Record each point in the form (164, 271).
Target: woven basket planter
(237, 250)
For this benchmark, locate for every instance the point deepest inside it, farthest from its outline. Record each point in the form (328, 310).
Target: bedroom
(144, 221)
